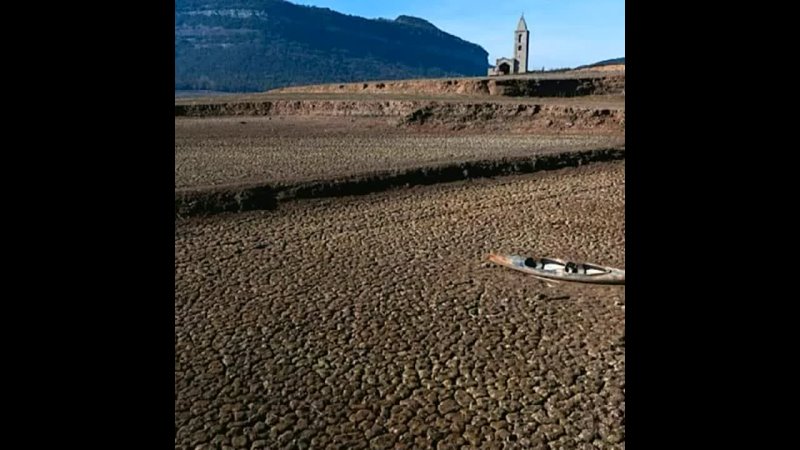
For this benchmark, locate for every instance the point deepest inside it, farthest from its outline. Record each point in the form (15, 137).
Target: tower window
(519, 38)
(519, 48)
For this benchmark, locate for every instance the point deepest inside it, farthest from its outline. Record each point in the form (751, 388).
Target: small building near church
(519, 63)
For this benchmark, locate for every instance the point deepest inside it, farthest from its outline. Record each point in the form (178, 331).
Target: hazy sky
(564, 33)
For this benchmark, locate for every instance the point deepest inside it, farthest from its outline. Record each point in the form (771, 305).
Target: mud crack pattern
(376, 322)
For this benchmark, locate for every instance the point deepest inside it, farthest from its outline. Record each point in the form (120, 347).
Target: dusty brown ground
(226, 150)
(375, 322)
(617, 68)
(558, 84)
(588, 101)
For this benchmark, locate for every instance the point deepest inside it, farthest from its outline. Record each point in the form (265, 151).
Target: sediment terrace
(236, 164)
(594, 114)
(569, 84)
(225, 150)
(571, 103)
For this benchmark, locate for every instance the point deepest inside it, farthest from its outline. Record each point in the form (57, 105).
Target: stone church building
(519, 63)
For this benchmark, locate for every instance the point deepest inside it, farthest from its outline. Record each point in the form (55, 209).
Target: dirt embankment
(516, 117)
(300, 107)
(430, 114)
(504, 86)
(196, 202)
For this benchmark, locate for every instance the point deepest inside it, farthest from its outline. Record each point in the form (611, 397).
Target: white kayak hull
(560, 270)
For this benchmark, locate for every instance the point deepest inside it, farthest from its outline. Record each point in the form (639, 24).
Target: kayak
(560, 270)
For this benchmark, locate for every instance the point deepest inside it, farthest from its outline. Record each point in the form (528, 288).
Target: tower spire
(522, 26)
(521, 45)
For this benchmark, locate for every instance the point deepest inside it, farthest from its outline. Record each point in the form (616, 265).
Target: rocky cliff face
(252, 45)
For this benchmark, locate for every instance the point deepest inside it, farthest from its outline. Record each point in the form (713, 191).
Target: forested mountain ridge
(255, 45)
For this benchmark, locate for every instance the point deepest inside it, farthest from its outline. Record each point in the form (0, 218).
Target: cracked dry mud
(215, 151)
(376, 321)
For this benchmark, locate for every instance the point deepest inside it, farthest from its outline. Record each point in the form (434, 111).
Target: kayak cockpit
(556, 269)
(552, 265)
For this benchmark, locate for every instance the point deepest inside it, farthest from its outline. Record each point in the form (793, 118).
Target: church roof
(522, 26)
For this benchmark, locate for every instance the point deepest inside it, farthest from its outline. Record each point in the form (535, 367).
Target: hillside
(607, 62)
(255, 45)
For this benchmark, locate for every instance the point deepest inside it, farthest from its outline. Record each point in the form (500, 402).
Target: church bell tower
(521, 39)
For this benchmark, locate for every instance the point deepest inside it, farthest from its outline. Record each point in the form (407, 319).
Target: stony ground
(375, 322)
(229, 150)
(588, 101)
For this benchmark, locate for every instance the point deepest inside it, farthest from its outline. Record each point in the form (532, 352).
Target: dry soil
(376, 322)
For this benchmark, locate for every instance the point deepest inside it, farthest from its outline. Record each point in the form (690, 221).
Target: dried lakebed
(222, 151)
(375, 321)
